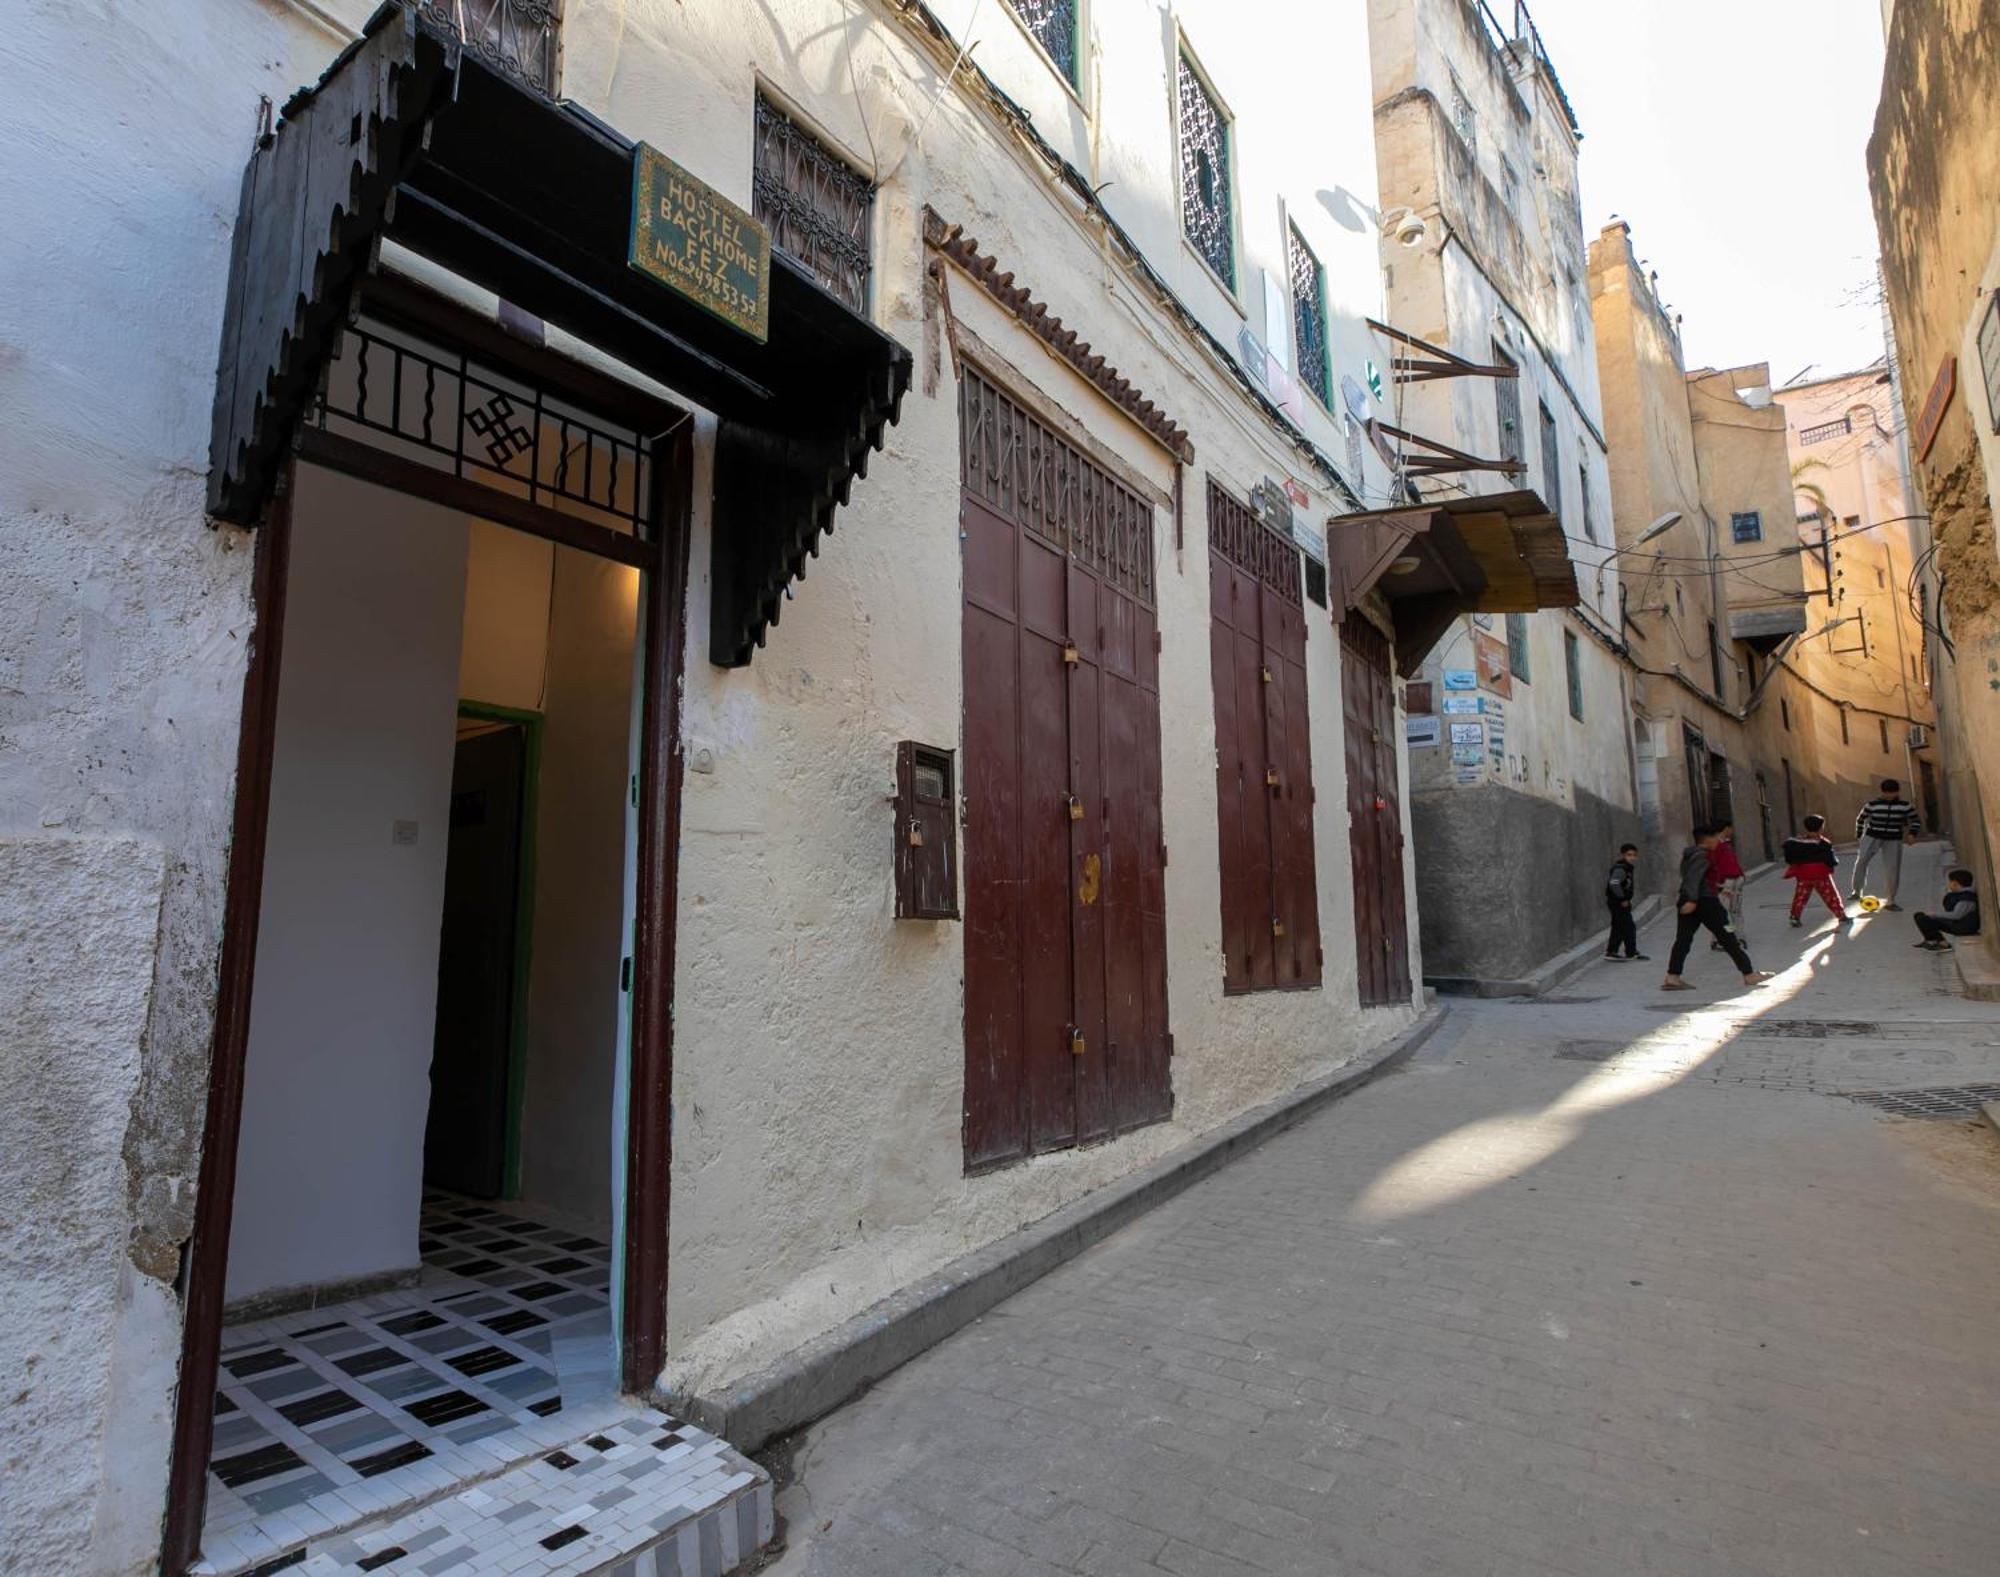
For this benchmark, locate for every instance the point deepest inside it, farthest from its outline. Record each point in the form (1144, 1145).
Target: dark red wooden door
(1375, 815)
(1065, 914)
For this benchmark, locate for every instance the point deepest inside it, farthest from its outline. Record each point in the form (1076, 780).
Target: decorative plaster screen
(1206, 214)
(818, 209)
(1309, 321)
(1053, 25)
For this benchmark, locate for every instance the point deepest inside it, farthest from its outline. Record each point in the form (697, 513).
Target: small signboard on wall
(1420, 733)
(1467, 734)
(1460, 679)
(1491, 656)
(693, 240)
(1461, 706)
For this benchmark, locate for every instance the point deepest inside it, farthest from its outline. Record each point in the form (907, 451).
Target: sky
(1732, 136)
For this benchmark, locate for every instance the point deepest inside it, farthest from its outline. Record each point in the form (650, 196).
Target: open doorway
(421, 1264)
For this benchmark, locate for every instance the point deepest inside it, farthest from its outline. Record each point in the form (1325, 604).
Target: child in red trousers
(1810, 862)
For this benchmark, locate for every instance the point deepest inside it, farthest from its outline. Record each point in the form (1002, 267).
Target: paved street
(1610, 1282)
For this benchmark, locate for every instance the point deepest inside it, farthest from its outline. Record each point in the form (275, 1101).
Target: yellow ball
(1870, 905)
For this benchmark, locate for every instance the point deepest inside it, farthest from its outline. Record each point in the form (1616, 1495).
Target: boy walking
(1725, 877)
(1699, 907)
(1810, 861)
(1960, 916)
(1884, 825)
(1619, 891)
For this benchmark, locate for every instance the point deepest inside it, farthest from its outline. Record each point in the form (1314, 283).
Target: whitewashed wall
(819, 1043)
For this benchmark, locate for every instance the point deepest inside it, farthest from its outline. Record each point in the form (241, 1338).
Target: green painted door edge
(530, 724)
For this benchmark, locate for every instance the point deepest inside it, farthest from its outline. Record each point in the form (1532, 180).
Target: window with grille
(518, 37)
(1309, 319)
(1746, 526)
(1462, 117)
(1551, 462)
(1517, 646)
(1206, 214)
(1583, 491)
(1573, 671)
(1507, 404)
(1263, 752)
(1052, 24)
(818, 209)
(1352, 431)
(1825, 430)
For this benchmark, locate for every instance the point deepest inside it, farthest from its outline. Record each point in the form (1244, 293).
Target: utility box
(926, 833)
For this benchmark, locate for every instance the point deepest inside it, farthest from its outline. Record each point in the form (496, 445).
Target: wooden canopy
(1491, 553)
(410, 137)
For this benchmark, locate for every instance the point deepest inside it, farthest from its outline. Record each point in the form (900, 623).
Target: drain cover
(1550, 1002)
(1810, 1028)
(1947, 1101)
(1590, 1050)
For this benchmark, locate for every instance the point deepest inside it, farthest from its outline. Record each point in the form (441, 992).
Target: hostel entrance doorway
(458, 511)
(469, 733)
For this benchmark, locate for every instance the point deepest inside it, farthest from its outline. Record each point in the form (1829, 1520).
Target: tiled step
(645, 1496)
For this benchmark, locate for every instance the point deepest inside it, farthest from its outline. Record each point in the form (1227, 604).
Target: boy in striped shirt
(1885, 824)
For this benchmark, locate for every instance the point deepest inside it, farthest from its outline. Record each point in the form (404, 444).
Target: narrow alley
(1602, 1282)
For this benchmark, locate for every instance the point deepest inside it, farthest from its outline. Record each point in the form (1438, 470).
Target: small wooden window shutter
(926, 842)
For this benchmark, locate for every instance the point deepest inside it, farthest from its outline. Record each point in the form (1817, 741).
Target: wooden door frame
(649, 1159)
(530, 723)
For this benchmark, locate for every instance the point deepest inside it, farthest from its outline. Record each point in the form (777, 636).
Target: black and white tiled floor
(443, 1407)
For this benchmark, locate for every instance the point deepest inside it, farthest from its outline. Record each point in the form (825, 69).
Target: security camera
(1405, 226)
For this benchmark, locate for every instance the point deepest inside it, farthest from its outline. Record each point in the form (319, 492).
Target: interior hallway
(1609, 1282)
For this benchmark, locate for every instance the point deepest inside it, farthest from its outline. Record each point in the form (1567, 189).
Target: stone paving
(1618, 1283)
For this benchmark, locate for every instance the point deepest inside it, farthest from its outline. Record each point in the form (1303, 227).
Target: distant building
(1864, 655)
(1514, 812)
(1712, 593)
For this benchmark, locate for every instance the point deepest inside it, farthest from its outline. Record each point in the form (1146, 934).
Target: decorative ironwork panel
(1309, 321)
(1034, 477)
(1205, 194)
(519, 37)
(818, 209)
(440, 408)
(1053, 23)
(1825, 430)
(1243, 539)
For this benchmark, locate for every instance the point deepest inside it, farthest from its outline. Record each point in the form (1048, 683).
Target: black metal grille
(441, 409)
(1053, 23)
(519, 37)
(817, 208)
(1243, 539)
(1030, 475)
(1309, 322)
(1205, 194)
(1948, 1101)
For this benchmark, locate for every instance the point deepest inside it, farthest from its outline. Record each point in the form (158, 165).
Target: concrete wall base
(1550, 975)
(818, 1377)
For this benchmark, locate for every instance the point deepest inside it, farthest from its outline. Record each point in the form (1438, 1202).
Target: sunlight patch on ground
(1489, 1150)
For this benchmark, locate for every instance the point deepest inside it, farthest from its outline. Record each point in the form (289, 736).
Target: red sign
(1936, 403)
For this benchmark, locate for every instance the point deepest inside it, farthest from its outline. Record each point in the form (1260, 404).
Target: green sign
(692, 239)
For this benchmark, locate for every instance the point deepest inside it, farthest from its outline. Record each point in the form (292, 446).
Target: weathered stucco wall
(1934, 172)
(123, 620)
(819, 1042)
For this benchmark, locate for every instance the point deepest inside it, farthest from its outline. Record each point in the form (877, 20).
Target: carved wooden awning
(408, 138)
(1497, 553)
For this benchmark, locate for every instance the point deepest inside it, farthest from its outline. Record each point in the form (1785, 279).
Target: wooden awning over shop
(410, 139)
(1494, 553)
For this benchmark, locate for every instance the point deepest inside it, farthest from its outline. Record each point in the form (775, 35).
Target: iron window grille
(819, 210)
(1573, 670)
(1583, 492)
(1240, 537)
(444, 410)
(1030, 475)
(1825, 430)
(1746, 526)
(1309, 319)
(1206, 212)
(518, 37)
(1052, 24)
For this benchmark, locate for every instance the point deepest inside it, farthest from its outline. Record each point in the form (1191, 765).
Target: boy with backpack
(1620, 889)
(1810, 861)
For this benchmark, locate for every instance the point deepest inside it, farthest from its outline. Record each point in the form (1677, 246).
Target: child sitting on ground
(1810, 862)
(1960, 916)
